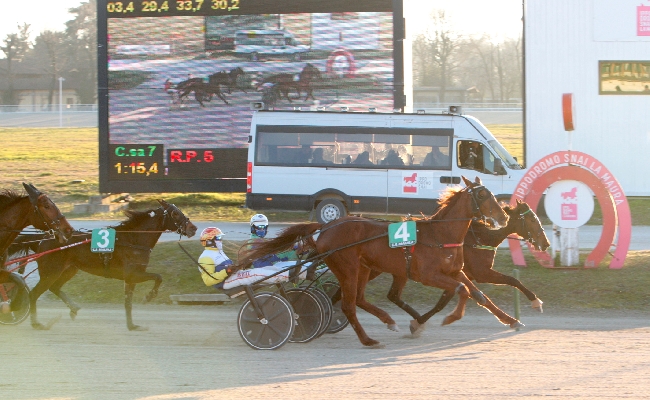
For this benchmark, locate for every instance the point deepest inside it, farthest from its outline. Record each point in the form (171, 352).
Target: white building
(599, 50)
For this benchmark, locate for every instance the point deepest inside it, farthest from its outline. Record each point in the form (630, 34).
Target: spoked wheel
(326, 303)
(339, 320)
(309, 314)
(14, 301)
(274, 329)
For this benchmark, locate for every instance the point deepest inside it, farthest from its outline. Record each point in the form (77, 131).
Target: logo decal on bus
(410, 182)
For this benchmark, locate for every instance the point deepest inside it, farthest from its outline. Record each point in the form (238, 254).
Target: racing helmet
(259, 225)
(210, 236)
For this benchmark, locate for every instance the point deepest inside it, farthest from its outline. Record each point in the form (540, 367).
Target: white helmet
(259, 225)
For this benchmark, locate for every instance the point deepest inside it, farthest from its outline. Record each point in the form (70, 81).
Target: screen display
(178, 80)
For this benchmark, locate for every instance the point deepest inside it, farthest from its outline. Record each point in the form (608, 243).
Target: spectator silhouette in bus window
(304, 155)
(363, 159)
(318, 157)
(472, 156)
(392, 158)
(434, 158)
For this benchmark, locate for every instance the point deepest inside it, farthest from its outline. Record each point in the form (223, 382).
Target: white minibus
(263, 42)
(335, 163)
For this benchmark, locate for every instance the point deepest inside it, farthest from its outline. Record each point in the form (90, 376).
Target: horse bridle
(55, 222)
(476, 208)
(529, 237)
(181, 226)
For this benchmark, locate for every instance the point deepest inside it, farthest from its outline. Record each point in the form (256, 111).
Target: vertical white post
(61, 102)
(570, 249)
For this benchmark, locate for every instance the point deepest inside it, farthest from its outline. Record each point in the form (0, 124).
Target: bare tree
(82, 35)
(50, 54)
(435, 53)
(15, 47)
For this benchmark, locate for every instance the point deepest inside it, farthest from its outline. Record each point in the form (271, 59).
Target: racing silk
(215, 262)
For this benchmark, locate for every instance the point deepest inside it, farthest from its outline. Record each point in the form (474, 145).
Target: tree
(50, 54)
(15, 47)
(435, 53)
(82, 37)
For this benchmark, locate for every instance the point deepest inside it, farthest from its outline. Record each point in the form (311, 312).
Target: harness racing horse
(282, 85)
(202, 91)
(227, 79)
(135, 238)
(18, 212)
(308, 75)
(351, 246)
(479, 251)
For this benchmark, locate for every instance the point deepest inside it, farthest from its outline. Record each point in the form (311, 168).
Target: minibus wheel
(330, 209)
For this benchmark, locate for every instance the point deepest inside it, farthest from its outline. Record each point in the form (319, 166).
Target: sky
(499, 17)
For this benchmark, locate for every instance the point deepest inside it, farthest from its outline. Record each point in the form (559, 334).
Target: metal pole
(516, 274)
(61, 102)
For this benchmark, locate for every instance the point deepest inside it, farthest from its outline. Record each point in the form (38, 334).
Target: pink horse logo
(571, 194)
(411, 179)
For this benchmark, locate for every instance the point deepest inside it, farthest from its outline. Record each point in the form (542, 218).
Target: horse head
(486, 207)
(46, 215)
(177, 221)
(530, 227)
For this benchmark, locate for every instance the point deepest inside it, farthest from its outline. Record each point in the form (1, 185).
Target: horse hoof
(138, 328)
(73, 314)
(393, 327)
(448, 320)
(373, 344)
(416, 328)
(517, 325)
(39, 327)
(537, 304)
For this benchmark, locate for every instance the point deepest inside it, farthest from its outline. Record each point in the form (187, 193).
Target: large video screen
(178, 80)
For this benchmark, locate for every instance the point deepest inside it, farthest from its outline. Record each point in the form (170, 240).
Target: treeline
(445, 58)
(71, 54)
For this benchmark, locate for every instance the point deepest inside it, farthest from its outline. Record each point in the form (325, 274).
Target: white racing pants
(253, 275)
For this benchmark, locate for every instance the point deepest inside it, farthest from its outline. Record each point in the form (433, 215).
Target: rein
(33, 257)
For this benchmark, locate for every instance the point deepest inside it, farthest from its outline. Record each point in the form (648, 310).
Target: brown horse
(306, 79)
(229, 79)
(18, 212)
(36, 209)
(479, 251)
(135, 238)
(351, 246)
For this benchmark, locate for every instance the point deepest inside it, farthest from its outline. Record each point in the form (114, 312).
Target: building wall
(565, 40)
(39, 98)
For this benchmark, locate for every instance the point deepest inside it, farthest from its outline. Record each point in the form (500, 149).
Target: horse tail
(284, 241)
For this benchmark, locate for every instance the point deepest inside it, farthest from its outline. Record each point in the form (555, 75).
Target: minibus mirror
(498, 167)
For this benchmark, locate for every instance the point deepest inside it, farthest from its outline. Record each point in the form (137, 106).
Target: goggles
(260, 227)
(218, 237)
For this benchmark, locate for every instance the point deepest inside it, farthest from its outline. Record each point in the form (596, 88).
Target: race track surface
(195, 352)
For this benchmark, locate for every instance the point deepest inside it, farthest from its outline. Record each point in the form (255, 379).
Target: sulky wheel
(326, 303)
(308, 314)
(274, 329)
(14, 301)
(339, 320)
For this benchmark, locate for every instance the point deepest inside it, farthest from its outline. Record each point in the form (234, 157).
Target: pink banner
(643, 21)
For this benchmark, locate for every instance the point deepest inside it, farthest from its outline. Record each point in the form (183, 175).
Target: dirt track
(195, 352)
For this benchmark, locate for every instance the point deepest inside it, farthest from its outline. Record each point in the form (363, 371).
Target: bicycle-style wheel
(14, 301)
(274, 329)
(326, 303)
(339, 320)
(308, 314)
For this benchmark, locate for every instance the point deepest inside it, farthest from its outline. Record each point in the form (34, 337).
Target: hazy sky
(502, 17)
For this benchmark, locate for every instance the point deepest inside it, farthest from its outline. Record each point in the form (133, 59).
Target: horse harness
(107, 257)
(528, 237)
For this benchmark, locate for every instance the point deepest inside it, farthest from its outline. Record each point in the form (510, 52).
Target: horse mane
(134, 218)
(8, 197)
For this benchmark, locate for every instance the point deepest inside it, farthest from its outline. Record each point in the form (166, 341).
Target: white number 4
(402, 233)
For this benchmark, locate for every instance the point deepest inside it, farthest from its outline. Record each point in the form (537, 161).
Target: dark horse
(283, 83)
(135, 238)
(227, 79)
(202, 91)
(308, 76)
(18, 212)
(351, 246)
(479, 250)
